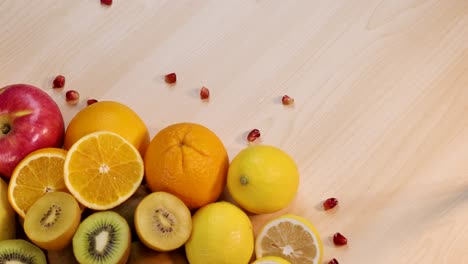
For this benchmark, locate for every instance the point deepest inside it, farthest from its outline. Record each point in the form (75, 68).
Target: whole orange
(108, 116)
(189, 161)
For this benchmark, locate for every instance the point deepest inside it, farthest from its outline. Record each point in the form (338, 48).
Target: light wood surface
(381, 89)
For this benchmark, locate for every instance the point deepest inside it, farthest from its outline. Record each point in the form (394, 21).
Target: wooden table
(381, 89)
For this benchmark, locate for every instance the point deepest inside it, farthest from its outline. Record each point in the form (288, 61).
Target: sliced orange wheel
(102, 170)
(292, 238)
(38, 173)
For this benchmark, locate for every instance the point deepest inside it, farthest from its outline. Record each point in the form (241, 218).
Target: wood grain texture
(381, 89)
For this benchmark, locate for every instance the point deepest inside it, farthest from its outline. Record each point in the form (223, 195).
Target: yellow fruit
(108, 116)
(271, 260)
(221, 233)
(189, 161)
(7, 214)
(102, 170)
(290, 237)
(40, 172)
(263, 179)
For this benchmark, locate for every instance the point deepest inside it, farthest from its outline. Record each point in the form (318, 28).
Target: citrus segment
(189, 161)
(40, 172)
(290, 237)
(102, 170)
(271, 260)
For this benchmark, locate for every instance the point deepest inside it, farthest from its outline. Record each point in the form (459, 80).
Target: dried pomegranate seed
(339, 239)
(253, 135)
(286, 100)
(333, 261)
(330, 203)
(72, 97)
(106, 2)
(204, 93)
(170, 78)
(59, 81)
(91, 101)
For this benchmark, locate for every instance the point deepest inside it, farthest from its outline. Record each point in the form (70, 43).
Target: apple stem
(5, 129)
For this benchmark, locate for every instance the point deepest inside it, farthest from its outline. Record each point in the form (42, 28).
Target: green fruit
(20, 251)
(102, 238)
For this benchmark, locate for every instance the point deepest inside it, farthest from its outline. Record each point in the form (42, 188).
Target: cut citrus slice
(271, 260)
(40, 172)
(102, 170)
(290, 237)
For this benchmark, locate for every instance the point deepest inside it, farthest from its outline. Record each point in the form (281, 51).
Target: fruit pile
(102, 191)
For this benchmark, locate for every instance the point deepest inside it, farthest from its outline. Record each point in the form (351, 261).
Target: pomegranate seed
(253, 135)
(339, 239)
(204, 93)
(106, 2)
(333, 261)
(91, 101)
(286, 100)
(59, 81)
(330, 203)
(170, 78)
(72, 97)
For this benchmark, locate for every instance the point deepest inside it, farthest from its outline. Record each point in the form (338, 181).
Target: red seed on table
(333, 261)
(106, 2)
(330, 203)
(59, 81)
(91, 101)
(286, 100)
(253, 135)
(170, 78)
(339, 239)
(204, 93)
(72, 97)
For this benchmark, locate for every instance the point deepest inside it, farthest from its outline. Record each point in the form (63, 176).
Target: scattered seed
(91, 101)
(339, 239)
(59, 81)
(253, 135)
(106, 2)
(286, 100)
(170, 78)
(204, 93)
(330, 203)
(333, 261)
(72, 97)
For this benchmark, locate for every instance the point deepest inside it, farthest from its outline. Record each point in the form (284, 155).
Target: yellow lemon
(263, 179)
(221, 233)
(290, 237)
(108, 116)
(271, 260)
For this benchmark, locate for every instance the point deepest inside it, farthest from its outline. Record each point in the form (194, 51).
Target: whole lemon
(263, 179)
(109, 116)
(221, 234)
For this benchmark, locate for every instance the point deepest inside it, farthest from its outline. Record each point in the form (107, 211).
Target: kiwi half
(162, 221)
(103, 237)
(52, 220)
(20, 251)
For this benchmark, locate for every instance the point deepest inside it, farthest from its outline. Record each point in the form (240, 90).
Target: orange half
(40, 172)
(102, 170)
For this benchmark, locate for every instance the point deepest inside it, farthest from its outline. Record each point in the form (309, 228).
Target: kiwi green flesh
(51, 216)
(163, 221)
(21, 252)
(103, 237)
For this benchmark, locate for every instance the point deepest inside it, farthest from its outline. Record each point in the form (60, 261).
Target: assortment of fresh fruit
(102, 192)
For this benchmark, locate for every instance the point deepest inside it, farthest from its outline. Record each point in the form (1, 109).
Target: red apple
(29, 120)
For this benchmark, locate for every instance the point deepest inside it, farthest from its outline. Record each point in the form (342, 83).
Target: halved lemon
(271, 260)
(290, 237)
(102, 170)
(40, 172)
